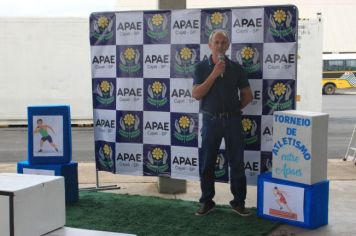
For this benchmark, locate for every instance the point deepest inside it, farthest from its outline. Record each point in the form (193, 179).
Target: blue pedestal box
(293, 203)
(69, 171)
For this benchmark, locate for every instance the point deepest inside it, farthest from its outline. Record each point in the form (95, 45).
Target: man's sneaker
(40, 150)
(241, 210)
(205, 209)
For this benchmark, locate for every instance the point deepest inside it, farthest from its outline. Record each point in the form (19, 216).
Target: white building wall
(131, 5)
(47, 60)
(338, 17)
(44, 61)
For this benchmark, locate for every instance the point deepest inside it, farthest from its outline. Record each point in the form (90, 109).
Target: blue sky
(53, 8)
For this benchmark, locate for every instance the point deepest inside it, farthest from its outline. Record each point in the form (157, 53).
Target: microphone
(221, 57)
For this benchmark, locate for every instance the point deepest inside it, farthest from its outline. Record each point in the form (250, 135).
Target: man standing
(217, 83)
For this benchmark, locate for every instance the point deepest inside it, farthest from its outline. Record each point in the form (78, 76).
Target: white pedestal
(300, 146)
(31, 205)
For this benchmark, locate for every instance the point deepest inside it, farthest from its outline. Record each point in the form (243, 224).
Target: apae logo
(157, 26)
(181, 93)
(217, 20)
(277, 59)
(104, 92)
(102, 61)
(185, 60)
(249, 58)
(280, 23)
(252, 166)
(186, 24)
(184, 129)
(103, 28)
(219, 166)
(105, 154)
(157, 94)
(126, 93)
(154, 59)
(278, 93)
(127, 159)
(102, 123)
(129, 126)
(155, 126)
(268, 132)
(130, 60)
(185, 161)
(128, 26)
(157, 160)
(185, 29)
(256, 97)
(249, 128)
(247, 23)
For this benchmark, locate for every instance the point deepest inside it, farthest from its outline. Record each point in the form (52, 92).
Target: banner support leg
(98, 187)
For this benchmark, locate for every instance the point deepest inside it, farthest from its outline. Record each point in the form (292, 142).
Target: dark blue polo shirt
(223, 95)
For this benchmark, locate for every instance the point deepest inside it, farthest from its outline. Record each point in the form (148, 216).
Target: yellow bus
(338, 72)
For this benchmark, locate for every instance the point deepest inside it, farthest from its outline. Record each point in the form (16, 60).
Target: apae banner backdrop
(145, 119)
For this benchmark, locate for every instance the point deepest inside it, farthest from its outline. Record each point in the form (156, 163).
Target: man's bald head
(219, 31)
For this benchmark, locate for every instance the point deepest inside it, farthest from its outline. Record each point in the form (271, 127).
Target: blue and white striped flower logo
(185, 60)
(104, 92)
(157, 160)
(103, 28)
(129, 126)
(280, 23)
(130, 60)
(279, 96)
(157, 94)
(157, 26)
(105, 154)
(184, 129)
(216, 20)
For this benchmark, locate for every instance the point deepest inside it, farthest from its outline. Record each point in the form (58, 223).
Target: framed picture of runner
(49, 134)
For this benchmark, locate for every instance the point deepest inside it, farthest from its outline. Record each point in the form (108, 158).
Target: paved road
(13, 144)
(342, 110)
(341, 107)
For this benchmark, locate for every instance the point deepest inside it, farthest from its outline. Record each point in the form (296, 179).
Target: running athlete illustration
(42, 129)
(280, 198)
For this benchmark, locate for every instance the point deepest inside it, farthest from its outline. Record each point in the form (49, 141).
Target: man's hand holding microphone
(220, 65)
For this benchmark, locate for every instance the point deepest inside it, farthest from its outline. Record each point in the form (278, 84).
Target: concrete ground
(342, 199)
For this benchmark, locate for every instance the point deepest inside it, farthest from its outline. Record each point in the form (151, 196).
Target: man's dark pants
(214, 129)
